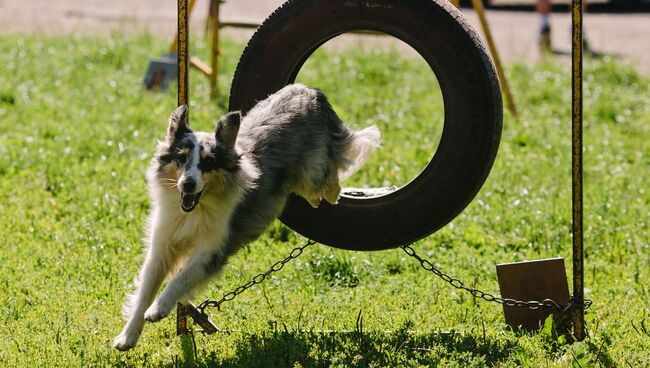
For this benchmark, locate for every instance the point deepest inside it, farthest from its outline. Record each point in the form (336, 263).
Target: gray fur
(285, 135)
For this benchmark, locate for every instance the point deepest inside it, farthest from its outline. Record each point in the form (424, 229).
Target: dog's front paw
(125, 341)
(157, 311)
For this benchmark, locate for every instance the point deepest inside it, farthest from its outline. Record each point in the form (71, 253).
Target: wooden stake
(480, 11)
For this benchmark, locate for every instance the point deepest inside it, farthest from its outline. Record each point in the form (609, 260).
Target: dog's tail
(358, 147)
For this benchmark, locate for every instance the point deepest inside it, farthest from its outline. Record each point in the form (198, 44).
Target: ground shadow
(592, 54)
(353, 349)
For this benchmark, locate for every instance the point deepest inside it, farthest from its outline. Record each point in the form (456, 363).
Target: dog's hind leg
(332, 189)
(156, 266)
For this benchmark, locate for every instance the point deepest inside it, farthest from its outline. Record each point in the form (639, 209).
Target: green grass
(78, 132)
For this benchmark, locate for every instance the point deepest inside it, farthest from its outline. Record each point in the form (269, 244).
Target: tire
(472, 108)
(468, 4)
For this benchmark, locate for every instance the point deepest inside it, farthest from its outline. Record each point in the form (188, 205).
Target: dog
(212, 193)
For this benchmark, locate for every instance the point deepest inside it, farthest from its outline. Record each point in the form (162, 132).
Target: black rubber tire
(468, 4)
(472, 108)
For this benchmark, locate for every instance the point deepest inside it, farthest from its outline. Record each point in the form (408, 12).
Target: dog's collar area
(189, 201)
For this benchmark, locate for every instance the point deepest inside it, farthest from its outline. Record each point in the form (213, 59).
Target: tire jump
(472, 113)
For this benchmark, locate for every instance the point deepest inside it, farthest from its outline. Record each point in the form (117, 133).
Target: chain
(531, 304)
(427, 265)
(257, 279)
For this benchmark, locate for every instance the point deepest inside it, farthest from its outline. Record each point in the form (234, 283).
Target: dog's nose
(189, 185)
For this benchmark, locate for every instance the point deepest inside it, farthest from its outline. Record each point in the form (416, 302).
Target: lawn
(78, 131)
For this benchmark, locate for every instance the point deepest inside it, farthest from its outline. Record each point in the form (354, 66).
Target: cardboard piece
(532, 280)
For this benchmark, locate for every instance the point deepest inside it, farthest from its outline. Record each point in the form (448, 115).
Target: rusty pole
(174, 46)
(183, 59)
(576, 160)
(214, 56)
(183, 99)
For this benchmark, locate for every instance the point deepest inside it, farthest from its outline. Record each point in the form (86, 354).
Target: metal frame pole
(183, 59)
(183, 99)
(174, 46)
(214, 56)
(578, 256)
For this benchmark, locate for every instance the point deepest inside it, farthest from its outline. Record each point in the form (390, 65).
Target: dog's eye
(208, 163)
(181, 158)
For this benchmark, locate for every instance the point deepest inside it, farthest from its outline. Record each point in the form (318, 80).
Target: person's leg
(585, 44)
(544, 11)
(544, 8)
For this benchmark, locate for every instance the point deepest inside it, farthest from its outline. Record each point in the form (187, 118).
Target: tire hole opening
(380, 80)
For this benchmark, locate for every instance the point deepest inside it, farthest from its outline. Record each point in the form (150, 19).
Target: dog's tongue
(188, 201)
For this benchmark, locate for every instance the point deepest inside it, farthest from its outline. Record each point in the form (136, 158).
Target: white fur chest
(206, 226)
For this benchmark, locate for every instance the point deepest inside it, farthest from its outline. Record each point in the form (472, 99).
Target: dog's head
(193, 162)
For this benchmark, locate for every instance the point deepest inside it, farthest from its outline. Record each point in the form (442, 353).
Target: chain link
(531, 304)
(257, 279)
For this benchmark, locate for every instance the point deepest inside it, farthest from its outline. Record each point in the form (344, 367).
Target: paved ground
(624, 34)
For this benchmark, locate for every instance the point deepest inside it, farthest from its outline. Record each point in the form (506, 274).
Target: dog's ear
(227, 128)
(178, 124)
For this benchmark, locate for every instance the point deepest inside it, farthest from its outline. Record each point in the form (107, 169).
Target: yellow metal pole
(174, 46)
(480, 10)
(579, 329)
(182, 40)
(183, 59)
(214, 57)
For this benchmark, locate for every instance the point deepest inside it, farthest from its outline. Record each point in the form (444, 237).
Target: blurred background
(615, 27)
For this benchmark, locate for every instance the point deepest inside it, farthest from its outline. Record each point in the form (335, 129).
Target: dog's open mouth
(189, 201)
